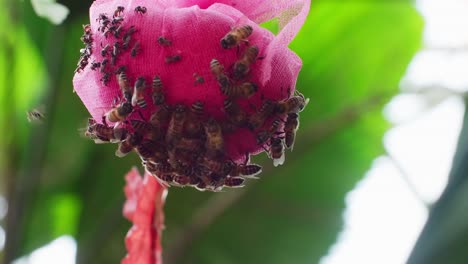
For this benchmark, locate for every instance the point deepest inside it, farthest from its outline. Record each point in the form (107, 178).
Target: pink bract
(144, 208)
(195, 29)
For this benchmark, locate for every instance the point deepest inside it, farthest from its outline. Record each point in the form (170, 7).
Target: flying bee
(140, 10)
(264, 135)
(95, 65)
(214, 138)
(242, 66)
(258, 118)
(293, 104)
(164, 41)
(104, 50)
(126, 146)
(235, 113)
(235, 36)
(193, 126)
(290, 128)
(124, 85)
(176, 125)
(35, 116)
(246, 90)
(138, 94)
(158, 95)
(234, 182)
(173, 58)
(120, 112)
(135, 50)
(118, 11)
(218, 71)
(277, 151)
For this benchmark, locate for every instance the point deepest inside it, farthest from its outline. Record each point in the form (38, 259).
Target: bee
(218, 71)
(173, 58)
(164, 41)
(141, 127)
(198, 79)
(138, 94)
(190, 144)
(120, 112)
(181, 180)
(110, 30)
(135, 50)
(176, 125)
(87, 29)
(102, 133)
(117, 20)
(128, 37)
(235, 36)
(126, 146)
(158, 95)
(117, 31)
(118, 11)
(258, 118)
(146, 149)
(120, 69)
(124, 85)
(246, 90)
(130, 31)
(95, 65)
(247, 171)
(105, 78)
(264, 135)
(140, 10)
(115, 52)
(35, 116)
(104, 50)
(102, 68)
(214, 138)
(290, 128)
(277, 151)
(293, 104)
(235, 114)
(234, 182)
(161, 117)
(242, 66)
(193, 126)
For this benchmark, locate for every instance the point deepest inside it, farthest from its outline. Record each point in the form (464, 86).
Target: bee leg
(247, 158)
(141, 115)
(104, 120)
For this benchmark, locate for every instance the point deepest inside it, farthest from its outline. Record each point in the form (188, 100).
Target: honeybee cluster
(183, 145)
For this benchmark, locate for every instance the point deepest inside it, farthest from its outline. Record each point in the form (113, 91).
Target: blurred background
(378, 173)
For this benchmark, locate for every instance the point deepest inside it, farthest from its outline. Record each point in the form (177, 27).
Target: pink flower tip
(194, 87)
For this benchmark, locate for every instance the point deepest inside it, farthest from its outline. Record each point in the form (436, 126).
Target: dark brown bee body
(242, 66)
(263, 135)
(176, 125)
(214, 139)
(102, 68)
(164, 41)
(95, 65)
(235, 114)
(161, 117)
(235, 36)
(120, 112)
(105, 50)
(125, 147)
(218, 71)
(124, 85)
(158, 95)
(246, 90)
(140, 10)
(138, 97)
(173, 59)
(246, 170)
(146, 148)
(105, 78)
(234, 182)
(277, 151)
(258, 119)
(135, 50)
(193, 126)
(290, 128)
(293, 104)
(118, 11)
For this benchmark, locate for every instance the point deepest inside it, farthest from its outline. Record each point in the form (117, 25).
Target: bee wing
(279, 161)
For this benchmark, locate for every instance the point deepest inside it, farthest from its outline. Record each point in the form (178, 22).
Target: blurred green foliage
(354, 54)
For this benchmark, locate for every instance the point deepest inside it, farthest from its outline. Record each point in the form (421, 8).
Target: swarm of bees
(182, 145)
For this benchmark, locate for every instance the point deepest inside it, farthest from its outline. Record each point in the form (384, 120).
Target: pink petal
(196, 35)
(144, 207)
